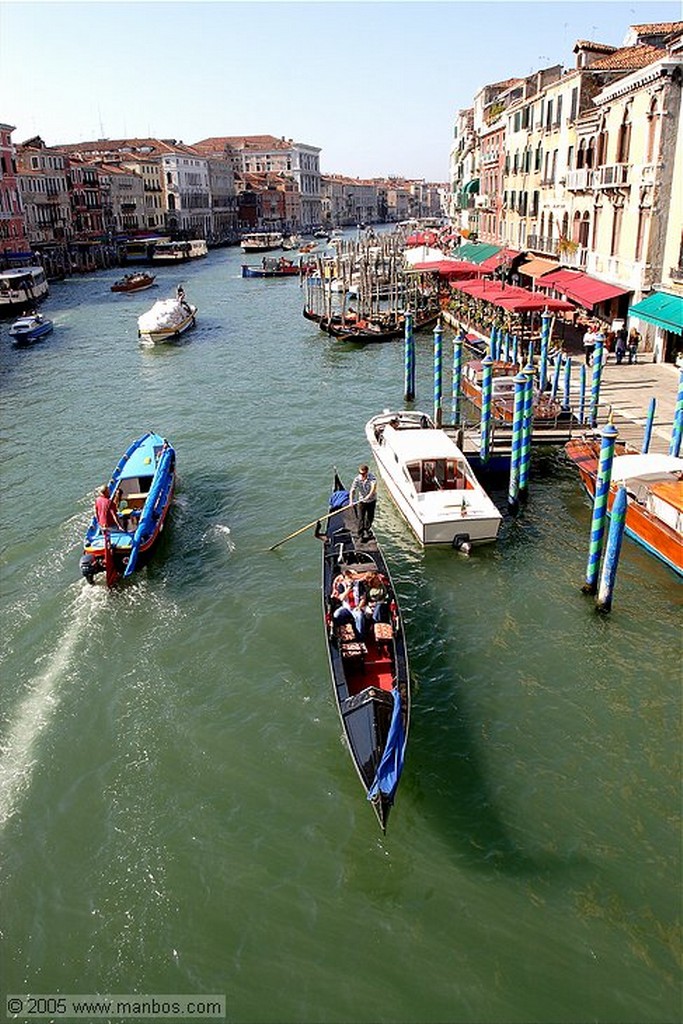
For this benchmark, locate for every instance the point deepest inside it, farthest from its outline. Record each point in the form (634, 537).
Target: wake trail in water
(17, 761)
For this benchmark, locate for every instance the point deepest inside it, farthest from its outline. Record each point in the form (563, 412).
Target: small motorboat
(271, 266)
(369, 670)
(26, 330)
(431, 481)
(137, 282)
(654, 485)
(141, 488)
(165, 321)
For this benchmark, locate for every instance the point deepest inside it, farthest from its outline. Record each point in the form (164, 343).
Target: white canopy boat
(431, 481)
(165, 321)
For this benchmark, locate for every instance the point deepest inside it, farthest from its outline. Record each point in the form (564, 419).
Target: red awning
(587, 291)
(493, 262)
(449, 268)
(512, 298)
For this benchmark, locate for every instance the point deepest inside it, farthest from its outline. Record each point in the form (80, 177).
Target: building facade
(12, 223)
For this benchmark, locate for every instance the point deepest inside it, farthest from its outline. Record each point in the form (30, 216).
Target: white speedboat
(165, 321)
(29, 329)
(431, 481)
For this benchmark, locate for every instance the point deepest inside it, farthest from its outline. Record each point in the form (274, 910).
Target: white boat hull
(162, 336)
(452, 515)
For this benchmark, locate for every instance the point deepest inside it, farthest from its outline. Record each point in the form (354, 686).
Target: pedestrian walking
(633, 343)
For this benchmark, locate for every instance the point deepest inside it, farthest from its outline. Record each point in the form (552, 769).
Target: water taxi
(261, 241)
(431, 481)
(22, 288)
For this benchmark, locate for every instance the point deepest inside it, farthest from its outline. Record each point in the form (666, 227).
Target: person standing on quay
(364, 491)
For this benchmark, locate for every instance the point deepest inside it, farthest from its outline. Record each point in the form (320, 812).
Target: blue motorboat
(140, 491)
(30, 328)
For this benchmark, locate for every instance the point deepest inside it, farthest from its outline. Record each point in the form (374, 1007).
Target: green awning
(662, 310)
(477, 252)
(471, 187)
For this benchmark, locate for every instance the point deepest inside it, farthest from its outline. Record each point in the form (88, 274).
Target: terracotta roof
(256, 142)
(658, 27)
(588, 44)
(630, 58)
(132, 147)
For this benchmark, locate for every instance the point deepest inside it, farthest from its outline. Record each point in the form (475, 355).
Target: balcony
(578, 181)
(542, 244)
(484, 202)
(611, 176)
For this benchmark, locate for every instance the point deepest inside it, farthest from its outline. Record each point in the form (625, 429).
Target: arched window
(549, 229)
(651, 132)
(581, 155)
(169, 178)
(565, 226)
(603, 140)
(584, 230)
(590, 153)
(576, 227)
(624, 137)
(171, 202)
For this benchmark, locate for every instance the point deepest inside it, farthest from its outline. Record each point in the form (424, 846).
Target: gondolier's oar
(320, 519)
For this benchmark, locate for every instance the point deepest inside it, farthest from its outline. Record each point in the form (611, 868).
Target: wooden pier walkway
(626, 391)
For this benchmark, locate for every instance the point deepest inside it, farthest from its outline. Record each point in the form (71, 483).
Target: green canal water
(178, 813)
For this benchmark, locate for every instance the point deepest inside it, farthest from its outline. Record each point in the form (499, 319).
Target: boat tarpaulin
(390, 767)
(587, 291)
(662, 310)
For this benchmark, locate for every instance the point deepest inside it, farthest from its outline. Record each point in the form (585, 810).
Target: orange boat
(134, 282)
(547, 411)
(654, 484)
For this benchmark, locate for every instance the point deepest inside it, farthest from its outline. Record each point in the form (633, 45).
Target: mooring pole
(438, 373)
(409, 360)
(677, 433)
(457, 375)
(649, 423)
(527, 430)
(599, 518)
(603, 601)
(516, 447)
(485, 423)
(595, 383)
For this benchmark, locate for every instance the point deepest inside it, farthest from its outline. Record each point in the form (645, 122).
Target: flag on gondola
(390, 767)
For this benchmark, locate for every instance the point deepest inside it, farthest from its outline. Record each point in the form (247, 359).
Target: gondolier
(364, 491)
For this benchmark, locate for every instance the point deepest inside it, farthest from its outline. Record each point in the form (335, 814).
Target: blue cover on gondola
(338, 499)
(390, 767)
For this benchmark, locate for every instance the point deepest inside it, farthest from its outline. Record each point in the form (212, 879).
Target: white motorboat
(165, 321)
(22, 288)
(431, 481)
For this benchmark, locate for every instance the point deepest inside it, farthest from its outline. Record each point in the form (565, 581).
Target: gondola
(370, 676)
(141, 485)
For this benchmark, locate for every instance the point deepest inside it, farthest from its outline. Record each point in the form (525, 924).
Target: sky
(375, 85)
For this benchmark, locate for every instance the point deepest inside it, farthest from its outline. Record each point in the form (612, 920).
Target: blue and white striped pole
(515, 348)
(493, 342)
(485, 424)
(595, 383)
(438, 373)
(516, 449)
(566, 392)
(556, 376)
(409, 360)
(599, 517)
(603, 601)
(457, 376)
(582, 394)
(677, 433)
(527, 429)
(545, 337)
(649, 423)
